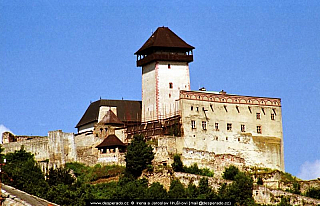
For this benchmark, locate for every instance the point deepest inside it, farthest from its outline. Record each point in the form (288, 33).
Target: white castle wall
(263, 149)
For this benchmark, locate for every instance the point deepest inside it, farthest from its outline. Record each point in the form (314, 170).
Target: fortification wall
(52, 151)
(38, 146)
(86, 151)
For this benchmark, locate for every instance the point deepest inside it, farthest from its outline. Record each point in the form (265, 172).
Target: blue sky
(57, 56)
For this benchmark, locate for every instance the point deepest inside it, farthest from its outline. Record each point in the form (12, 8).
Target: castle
(212, 129)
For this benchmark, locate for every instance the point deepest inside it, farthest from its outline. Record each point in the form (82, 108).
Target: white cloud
(309, 170)
(3, 129)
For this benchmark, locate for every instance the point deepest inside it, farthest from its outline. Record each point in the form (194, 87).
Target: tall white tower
(164, 59)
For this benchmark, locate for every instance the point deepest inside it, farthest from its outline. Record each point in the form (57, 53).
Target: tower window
(229, 126)
(169, 95)
(258, 116)
(169, 66)
(243, 128)
(259, 131)
(237, 107)
(204, 125)
(216, 126)
(193, 124)
(191, 108)
(170, 85)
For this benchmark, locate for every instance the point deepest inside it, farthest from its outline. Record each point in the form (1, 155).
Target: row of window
(229, 126)
(258, 114)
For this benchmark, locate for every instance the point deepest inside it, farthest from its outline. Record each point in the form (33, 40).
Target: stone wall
(52, 151)
(165, 151)
(86, 151)
(265, 195)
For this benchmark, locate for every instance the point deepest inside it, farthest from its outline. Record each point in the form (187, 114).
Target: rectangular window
(243, 128)
(258, 116)
(272, 116)
(193, 124)
(229, 126)
(216, 126)
(225, 108)
(204, 125)
(169, 66)
(170, 85)
(191, 108)
(259, 131)
(237, 107)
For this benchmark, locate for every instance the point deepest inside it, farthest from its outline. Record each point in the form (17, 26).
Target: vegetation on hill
(178, 166)
(75, 183)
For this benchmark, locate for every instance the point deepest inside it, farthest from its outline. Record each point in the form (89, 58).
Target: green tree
(223, 192)
(205, 192)
(176, 190)
(156, 191)
(139, 155)
(134, 189)
(230, 172)
(295, 187)
(192, 191)
(284, 202)
(60, 176)
(1, 154)
(241, 189)
(313, 192)
(24, 172)
(177, 164)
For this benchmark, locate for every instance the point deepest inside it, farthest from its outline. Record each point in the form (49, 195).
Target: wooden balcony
(164, 57)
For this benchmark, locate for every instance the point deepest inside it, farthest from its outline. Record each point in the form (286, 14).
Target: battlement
(8, 137)
(223, 97)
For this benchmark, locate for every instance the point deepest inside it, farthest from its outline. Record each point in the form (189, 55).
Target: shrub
(230, 172)
(177, 164)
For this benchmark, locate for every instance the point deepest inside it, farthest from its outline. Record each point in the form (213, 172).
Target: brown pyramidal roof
(163, 37)
(111, 141)
(110, 118)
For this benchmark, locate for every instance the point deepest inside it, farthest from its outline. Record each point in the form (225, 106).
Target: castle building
(212, 129)
(243, 126)
(204, 127)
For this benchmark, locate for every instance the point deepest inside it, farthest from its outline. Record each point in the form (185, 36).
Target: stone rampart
(52, 151)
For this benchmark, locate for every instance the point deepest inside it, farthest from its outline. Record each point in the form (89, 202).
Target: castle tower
(164, 59)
